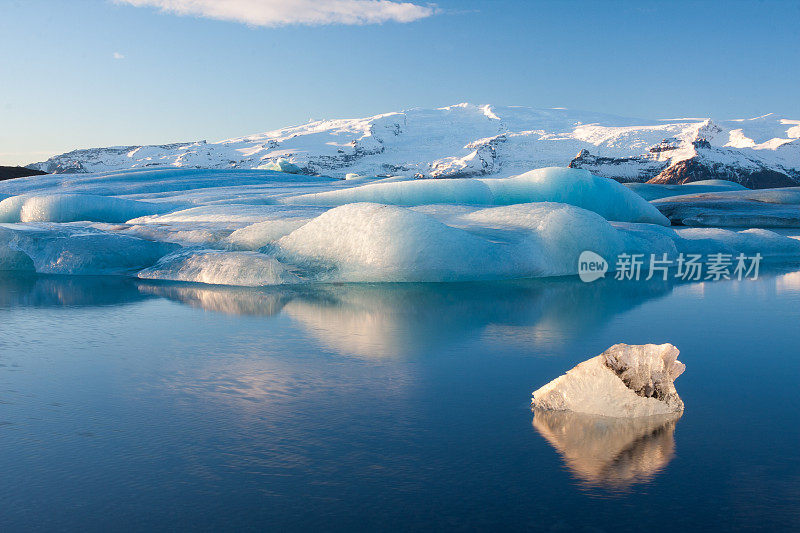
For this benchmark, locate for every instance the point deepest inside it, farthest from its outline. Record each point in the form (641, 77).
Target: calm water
(141, 405)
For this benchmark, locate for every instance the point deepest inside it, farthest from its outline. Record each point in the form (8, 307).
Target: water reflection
(31, 290)
(613, 453)
(394, 320)
(227, 300)
(384, 320)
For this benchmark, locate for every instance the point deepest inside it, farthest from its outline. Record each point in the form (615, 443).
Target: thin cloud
(117, 55)
(270, 13)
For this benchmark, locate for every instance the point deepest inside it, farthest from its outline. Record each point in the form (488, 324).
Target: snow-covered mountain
(468, 140)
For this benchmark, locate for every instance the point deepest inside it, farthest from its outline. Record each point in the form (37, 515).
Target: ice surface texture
(624, 381)
(75, 207)
(55, 249)
(251, 227)
(247, 269)
(653, 191)
(565, 185)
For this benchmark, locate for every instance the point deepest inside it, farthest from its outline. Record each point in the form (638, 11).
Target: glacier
(262, 227)
(625, 381)
(469, 140)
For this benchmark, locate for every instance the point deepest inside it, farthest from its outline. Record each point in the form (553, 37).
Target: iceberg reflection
(31, 290)
(397, 320)
(610, 452)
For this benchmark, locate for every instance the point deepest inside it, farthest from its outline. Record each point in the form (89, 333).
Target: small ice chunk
(624, 381)
(283, 165)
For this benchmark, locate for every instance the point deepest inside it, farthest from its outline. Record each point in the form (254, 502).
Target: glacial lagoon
(156, 404)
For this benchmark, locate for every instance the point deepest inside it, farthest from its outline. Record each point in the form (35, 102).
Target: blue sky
(180, 78)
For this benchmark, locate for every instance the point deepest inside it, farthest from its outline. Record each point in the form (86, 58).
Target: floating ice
(261, 234)
(654, 191)
(486, 229)
(15, 260)
(764, 208)
(54, 249)
(372, 242)
(565, 185)
(246, 269)
(283, 165)
(75, 207)
(624, 381)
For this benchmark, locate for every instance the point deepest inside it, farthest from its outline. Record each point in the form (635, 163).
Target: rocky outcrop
(9, 173)
(622, 169)
(698, 169)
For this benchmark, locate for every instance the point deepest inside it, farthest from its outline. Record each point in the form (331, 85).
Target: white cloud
(284, 12)
(117, 55)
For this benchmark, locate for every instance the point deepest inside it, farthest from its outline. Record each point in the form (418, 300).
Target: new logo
(591, 266)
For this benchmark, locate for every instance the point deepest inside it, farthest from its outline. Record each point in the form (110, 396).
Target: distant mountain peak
(465, 139)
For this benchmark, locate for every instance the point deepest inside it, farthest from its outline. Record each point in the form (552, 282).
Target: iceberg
(282, 165)
(374, 242)
(763, 208)
(656, 191)
(570, 186)
(261, 234)
(245, 269)
(431, 230)
(54, 249)
(75, 207)
(625, 381)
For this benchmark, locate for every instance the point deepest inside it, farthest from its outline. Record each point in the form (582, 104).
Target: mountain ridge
(467, 140)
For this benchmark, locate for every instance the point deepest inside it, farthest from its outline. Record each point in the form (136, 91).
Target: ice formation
(197, 224)
(282, 165)
(55, 249)
(764, 208)
(75, 207)
(654, 191)
(624, 381)
(261, 234)
(247, 269)
(565, 185)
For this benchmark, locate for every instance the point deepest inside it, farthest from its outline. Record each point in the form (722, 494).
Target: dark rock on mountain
(695, 169)
(8, 173)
